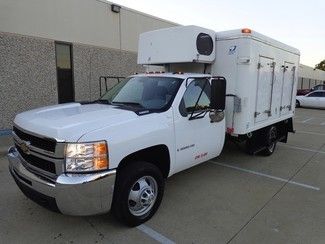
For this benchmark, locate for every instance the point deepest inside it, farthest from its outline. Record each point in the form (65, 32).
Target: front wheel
(138, 193)
(271, 139)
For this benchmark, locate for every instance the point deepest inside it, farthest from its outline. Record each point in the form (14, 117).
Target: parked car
(315, 99)
(302, 92)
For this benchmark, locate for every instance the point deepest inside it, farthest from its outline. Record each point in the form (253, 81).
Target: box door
(264, 89)
(288, 70)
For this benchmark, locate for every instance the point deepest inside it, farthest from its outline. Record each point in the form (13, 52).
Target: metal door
(288, 78)
(264, 89)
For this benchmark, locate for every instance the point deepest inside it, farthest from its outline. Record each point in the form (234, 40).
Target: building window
(63, 53)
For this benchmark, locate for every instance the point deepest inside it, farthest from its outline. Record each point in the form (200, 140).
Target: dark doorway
(63, 53)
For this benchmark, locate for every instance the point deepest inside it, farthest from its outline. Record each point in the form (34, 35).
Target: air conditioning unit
(182, 44)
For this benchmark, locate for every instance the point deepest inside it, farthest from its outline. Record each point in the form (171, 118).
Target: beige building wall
(103, 43)
(83, 21)
(309, 77)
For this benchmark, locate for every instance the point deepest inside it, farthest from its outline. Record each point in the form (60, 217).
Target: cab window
(196, 97)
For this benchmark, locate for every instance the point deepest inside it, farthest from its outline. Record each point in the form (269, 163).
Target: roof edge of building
(139, 12)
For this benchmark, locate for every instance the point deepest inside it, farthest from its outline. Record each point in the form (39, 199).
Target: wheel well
(157, 155)
(259, 141)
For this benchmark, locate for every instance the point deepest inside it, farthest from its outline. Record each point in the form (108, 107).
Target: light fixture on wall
(115, 8)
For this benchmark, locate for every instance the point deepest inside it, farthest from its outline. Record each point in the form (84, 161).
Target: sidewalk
(5, 143)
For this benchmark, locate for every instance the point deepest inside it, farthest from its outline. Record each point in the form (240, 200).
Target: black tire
(249, 146)
(127, 179)
(297, 104)
(271, 140)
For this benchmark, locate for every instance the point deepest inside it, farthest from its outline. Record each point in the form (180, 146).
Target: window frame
(71, 64)
(195, 114)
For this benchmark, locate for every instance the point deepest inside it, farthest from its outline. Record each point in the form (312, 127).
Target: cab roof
(180, 75)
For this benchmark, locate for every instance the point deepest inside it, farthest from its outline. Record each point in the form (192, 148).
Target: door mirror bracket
(216, 116)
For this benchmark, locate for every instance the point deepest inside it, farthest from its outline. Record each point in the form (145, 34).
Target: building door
(63, 53)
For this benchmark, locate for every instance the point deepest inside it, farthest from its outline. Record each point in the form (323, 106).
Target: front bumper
(72, 194)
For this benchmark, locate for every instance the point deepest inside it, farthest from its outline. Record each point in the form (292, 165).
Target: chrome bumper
(72, 194)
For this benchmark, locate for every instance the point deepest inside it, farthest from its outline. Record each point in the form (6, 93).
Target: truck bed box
(261, 78)
(261, 72)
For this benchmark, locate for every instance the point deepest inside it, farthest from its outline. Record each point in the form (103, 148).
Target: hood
(70, 121)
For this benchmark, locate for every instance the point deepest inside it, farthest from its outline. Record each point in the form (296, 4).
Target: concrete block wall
(28, 76)
(91, 62)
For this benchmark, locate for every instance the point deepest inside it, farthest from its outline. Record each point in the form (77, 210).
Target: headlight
(83, 157)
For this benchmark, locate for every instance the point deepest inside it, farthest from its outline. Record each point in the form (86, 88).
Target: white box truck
(115, 153)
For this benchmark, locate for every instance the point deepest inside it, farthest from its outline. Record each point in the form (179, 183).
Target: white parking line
(154, 234)
(310, 133)
(302, 148)
(306, 120)
(267, 176)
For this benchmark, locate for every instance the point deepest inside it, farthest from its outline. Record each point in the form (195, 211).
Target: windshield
(151, 93)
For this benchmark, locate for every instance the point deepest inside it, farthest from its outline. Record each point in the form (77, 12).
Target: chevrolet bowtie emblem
(25, 147)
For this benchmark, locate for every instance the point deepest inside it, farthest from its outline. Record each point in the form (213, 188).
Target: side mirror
(218, 93)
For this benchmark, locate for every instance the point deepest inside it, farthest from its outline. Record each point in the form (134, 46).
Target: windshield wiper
(128, 103)
(102, 101)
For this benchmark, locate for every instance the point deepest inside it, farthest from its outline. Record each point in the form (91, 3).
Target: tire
(138, 193)
(297, 104)
(271, 139)
(249, 147)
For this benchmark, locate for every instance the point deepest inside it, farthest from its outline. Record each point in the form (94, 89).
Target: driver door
(197, 138)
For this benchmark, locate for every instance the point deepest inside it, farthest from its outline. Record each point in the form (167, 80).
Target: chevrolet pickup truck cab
(81, 159)
(116, 152)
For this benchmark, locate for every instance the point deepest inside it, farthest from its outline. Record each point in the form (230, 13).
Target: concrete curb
(5, 143)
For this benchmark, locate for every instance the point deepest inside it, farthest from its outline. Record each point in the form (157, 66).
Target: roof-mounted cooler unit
(183, 44)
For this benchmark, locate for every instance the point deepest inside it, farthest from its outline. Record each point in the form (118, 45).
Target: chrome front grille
(42, 155)
(47, 144)
(36, 161)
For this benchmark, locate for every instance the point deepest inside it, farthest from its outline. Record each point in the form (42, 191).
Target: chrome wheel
(142, 195)
(271, 147)
(272, 139)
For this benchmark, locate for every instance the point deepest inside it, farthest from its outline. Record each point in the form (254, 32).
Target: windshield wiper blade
(103, 101)
(128, 103)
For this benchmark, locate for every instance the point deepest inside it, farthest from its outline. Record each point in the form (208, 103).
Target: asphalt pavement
(234, 198)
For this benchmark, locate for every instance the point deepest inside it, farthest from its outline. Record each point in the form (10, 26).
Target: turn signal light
(100, 163)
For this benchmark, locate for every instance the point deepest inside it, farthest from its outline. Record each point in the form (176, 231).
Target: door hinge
(284, 68)
(259, 65)
(256, 114)
(268, 112)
